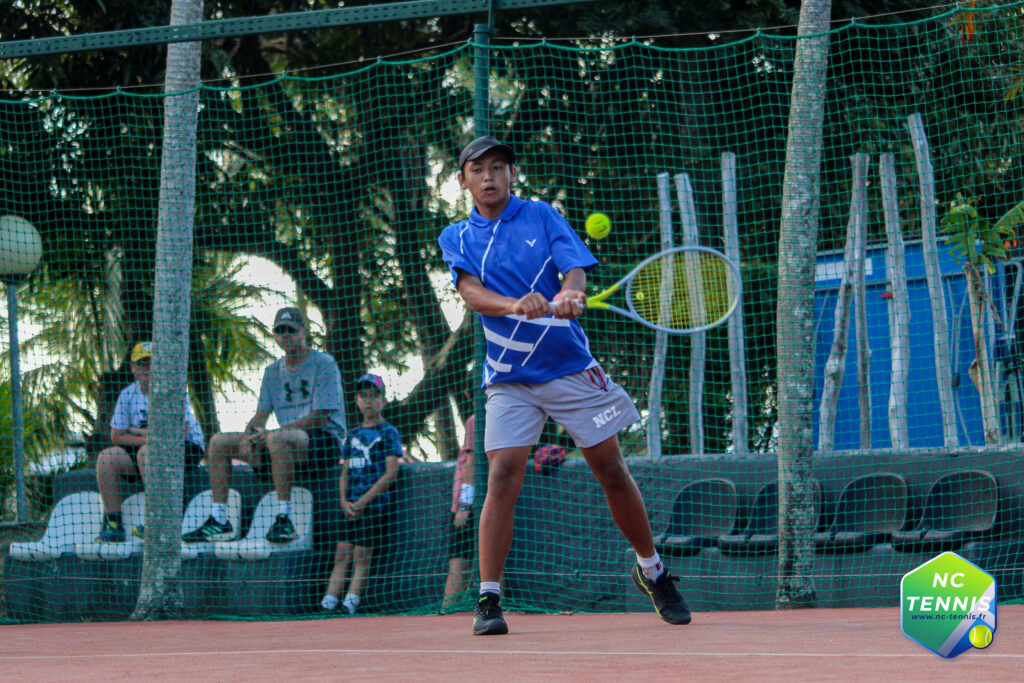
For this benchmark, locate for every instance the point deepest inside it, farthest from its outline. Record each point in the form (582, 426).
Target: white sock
(651, 566)
(490, 587)
(329, 602)
(284, 507)
(351, 602)
(220, 513)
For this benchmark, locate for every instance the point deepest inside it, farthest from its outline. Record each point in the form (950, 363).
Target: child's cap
(370, 381)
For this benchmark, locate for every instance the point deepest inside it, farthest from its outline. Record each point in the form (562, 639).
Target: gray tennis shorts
(588, 404)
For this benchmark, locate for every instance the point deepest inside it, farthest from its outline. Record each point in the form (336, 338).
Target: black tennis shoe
(282, 530)
(668, 603)
(487, 618)
(211, 530)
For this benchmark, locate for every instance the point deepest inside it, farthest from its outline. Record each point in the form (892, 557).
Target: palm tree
(795, 322)
(159, 593)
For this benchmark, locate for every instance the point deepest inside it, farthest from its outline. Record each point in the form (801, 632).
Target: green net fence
(328, 195)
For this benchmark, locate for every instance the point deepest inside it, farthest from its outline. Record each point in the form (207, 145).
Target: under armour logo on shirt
(531, 242)
(303, 390)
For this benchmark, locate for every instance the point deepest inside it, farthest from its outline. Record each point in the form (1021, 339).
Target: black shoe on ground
(667, 602)
(282, 530)
(487, 619)
(211, 530)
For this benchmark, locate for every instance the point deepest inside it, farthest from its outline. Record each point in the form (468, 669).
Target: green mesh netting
(328, 194)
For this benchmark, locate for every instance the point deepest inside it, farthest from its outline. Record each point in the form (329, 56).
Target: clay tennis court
(814, 644)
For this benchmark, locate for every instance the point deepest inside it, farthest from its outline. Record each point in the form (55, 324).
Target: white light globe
(20, 246)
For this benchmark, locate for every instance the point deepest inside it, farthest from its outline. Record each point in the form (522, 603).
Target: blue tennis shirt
(524, 250)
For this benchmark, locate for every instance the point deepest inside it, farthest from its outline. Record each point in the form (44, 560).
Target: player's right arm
(484, 301)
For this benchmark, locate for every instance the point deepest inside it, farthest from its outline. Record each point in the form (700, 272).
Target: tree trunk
(795, 315)
(160, 593)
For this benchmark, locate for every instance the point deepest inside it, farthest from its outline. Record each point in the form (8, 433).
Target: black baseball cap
(483, 144)
(291, 318)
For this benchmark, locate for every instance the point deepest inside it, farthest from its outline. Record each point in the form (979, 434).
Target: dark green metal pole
(481, 126)
(482, 77)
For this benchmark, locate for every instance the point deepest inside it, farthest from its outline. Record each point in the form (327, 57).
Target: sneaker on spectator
(112, 532)
(668, 603)
(282, 530)
(211, 530)
(487, 617)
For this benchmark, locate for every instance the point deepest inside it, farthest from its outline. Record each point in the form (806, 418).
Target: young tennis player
(509, 260)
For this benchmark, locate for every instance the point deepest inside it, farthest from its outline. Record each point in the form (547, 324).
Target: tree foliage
(335, 178)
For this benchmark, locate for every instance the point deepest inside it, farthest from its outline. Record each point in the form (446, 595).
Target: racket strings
(684, 291)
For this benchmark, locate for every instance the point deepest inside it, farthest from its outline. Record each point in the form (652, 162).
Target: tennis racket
(682, 290)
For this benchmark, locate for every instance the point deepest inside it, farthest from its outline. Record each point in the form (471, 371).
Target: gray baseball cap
(481, 145)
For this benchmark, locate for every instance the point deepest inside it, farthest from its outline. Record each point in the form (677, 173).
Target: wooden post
(660, 338)
(930, 252)
(859, 219)
(853, 264)
(898, 307)
(698, 341)
(737, 345)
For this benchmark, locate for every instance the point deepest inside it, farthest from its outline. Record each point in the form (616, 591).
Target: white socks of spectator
(284, 507)
(220, 513)
(490, 587)
(351, 602)
(651, 566)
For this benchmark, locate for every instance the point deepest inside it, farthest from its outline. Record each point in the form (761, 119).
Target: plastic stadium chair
(133, 511)
(76, 518)
(869, 510)
(703, 511)
(255, 546)
(959, 507)
(196, 512)
(761, 534)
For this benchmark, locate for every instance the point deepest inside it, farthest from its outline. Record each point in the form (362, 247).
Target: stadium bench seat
(703, 511)
(761, 533)
(133, 511)
(255, 546)
(959, 507)
(196, 512)
(869, 510)
(76, 518)
(262, 578)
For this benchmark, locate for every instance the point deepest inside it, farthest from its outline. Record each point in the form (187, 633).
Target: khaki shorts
(590, 406)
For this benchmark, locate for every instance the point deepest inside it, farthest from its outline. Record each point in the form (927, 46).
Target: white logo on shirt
(531, 242)
(358, 462)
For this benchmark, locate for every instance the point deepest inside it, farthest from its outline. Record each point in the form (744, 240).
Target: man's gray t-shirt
(293, 394)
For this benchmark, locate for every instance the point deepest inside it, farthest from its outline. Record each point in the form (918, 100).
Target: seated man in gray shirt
(303, 390)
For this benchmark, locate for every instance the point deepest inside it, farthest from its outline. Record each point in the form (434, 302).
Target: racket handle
(553, 304)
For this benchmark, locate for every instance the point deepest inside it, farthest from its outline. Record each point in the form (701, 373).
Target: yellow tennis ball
(598, 226)
(980, 636)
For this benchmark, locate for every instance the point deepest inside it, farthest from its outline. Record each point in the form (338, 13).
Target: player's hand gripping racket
(680, 291)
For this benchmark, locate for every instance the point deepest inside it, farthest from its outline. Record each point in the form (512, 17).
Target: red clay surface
(811, 645)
